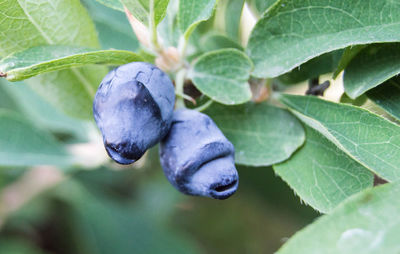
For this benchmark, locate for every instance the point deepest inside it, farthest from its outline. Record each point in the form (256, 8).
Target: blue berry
(133, 109)
(197, 158)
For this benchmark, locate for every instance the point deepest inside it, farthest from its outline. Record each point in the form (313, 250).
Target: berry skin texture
(133, 109)
(197, 158)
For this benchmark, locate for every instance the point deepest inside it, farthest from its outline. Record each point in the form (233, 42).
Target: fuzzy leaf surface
(321, 174)
(367, 138)
(292, 32)
(222, 75)
(364, 223)
(262, 134)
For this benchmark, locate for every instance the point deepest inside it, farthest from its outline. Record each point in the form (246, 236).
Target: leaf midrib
(86, 84)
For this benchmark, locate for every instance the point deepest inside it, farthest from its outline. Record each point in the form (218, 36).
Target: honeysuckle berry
(197, 158)
(133, 109)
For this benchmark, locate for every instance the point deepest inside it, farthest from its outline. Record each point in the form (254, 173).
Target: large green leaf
(222, 75)
(295, 31)
(387, 96)
(140, 9)
(369, 139)
(25, 24)
(322, 175)
(71, 91)
(192, 12)
(371, 67)
(262, 134)
(22, 144)
(42, 59)
(366, 223)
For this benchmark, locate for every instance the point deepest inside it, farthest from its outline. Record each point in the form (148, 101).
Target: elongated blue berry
(197, 158)
(133, 109)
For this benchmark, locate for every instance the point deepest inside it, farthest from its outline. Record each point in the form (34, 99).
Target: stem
(186, 97)
(179, 83)
(182, 46)
(204, 106)
(153, 28)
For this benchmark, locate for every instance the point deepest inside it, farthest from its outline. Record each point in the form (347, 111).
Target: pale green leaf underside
(114, 4)
(262, 134)
(387, 96)
(26, 24)
(321, 174)
(294, 31)
(42, 59)
(371, 67)
(369, 139)
(140, 9)
(192, 12)
(22, 144)
(366, 223)
(222, 75)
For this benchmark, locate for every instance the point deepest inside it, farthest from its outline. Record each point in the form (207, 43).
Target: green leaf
(25, 24)
(322, 175)
(42, 59)
(367, 138)
(258, 7)
(295, 31)
(262, 134)
(312, 69)
(114, 4)
(22, 144)
(222, 75)
(192, 12)
(371, 67)
(25, 101)
(112, 26)
(215, 41)
(363, 224)
(359, 101)
(348, 54)
(71, 91)
(140, 9)
(387, 96)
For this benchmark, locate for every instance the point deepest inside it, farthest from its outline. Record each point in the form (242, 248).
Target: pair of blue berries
(134, 110)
